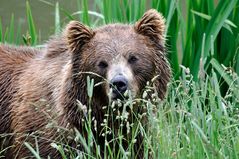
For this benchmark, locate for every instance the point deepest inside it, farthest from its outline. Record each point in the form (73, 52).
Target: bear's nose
(119, 85)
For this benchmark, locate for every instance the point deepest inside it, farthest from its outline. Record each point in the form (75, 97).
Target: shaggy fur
(42, 85)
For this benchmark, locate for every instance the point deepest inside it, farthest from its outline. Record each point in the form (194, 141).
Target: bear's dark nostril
(120, 84)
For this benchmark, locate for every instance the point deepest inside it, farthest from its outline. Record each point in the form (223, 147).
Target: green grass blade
(6, 35)
(222, 11)
(208, 17)
(85, 15)
(57, 19)
(31, 24)
(90, 86)
(1, 30)
(172, 8)
(11, 30)
(218, 94)
(141, 9)
(32, 150)
(107, 4)
(60, 149)
(66, 13)
(221, 71)
(18, 35)
(210, 6)
(187, 35)
(237, 60)
(82, 141)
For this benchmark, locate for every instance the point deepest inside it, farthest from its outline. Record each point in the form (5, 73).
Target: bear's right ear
(152, 24)
(77, 35)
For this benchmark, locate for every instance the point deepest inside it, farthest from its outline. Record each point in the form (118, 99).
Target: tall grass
(194, 121)
(199, 117)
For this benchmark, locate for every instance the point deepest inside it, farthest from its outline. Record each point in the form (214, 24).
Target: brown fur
(38, 86)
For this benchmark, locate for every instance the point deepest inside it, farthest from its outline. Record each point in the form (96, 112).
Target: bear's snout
(119, 85)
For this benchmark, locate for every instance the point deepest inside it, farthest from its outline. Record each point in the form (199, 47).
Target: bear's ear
(77, 35)
(152, 24)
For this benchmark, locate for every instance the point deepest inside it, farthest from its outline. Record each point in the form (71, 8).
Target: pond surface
(43, 14)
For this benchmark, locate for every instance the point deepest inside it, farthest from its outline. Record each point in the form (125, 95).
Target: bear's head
(121, 57)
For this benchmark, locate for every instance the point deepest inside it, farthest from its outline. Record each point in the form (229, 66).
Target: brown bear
(50, 83)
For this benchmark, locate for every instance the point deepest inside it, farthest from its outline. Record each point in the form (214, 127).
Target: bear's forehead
(116, 32)
(118, 37)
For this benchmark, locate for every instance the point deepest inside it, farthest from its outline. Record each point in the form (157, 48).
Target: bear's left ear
(152, 24)
(77, 35)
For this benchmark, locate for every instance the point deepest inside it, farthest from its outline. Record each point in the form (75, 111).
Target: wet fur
(42, 85)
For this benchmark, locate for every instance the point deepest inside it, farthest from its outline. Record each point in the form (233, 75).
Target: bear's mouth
(116, 94)
(119, 86)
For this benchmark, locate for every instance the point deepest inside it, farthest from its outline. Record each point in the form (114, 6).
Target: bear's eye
(132, 59)
(102, 64)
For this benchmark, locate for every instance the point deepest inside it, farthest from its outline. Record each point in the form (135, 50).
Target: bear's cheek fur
(89, 63)
(142, 74)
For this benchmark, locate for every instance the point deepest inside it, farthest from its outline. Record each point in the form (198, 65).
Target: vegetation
(200, 116)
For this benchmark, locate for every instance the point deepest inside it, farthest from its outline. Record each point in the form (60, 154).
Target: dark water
(42, 12)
